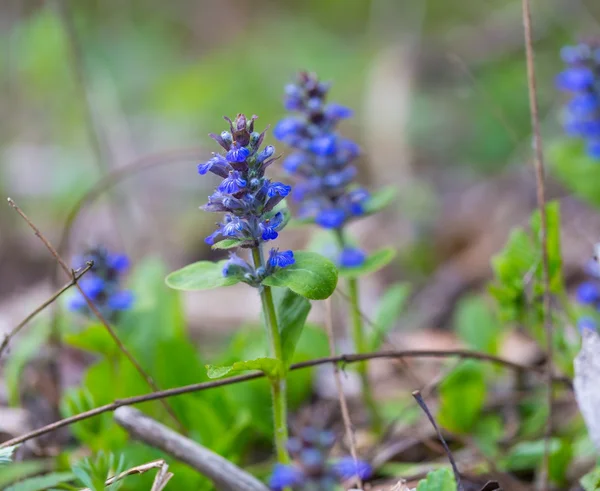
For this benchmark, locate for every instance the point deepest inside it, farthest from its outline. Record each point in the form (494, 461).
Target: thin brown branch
(354, 358)
(340, 388)
(541, 199)
(149, 380)
(76, 276)
(139, 469)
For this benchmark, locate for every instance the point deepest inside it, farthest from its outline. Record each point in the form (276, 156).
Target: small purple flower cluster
(248, 198)
(581, 79)
(588, 293)
(102, 284)
(311, 470)
(322, 161)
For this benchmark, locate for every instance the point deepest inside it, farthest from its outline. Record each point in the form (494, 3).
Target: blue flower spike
(581, 80)
(102, 284)
(246, 197)
(322, 161)
(311, 468)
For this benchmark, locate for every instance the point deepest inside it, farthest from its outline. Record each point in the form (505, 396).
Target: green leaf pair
(311, 276)
(292, 311)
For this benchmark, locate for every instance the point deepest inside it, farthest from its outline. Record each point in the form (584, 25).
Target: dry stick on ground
(223, 473)
(141, 469)
(354, 358)
(421, 402)
(97, 313)
(338, 382)
(76, 276)
(541, 199)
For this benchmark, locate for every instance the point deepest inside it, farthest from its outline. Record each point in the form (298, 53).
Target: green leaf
(477, 325)
(43, 482)
(462, 395)
(312, 276)
(229, 244)
(591, 481)
(387, 313)
(269, 366)
(292, 311)
(373, 263)
(530, 455)
(380, 199)
(574, 168)
(203, 275)
(17, 471)
(438, 480)
(6, 454)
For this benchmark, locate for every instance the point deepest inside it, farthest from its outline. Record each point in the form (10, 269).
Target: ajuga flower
(322, 161)
(581, 79)
(311, 469)
(248, 198)
(102, 284)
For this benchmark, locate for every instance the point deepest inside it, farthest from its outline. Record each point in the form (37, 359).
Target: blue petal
(285, 476)
(575, 78)
(281, 259)
(588, 293)
(237, 154)
(217, 165)
(582, 104)
(119, 262)
(323, 146)
(331, 218)
(337, 111)
(352, 257)
(287, 127)
(593, 149)
(121, 300)
(293, 162)
(278, 189)
(92, 285)
(347, 468)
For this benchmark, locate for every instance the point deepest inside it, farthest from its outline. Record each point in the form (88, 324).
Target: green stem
(278, 385)
(361, 346)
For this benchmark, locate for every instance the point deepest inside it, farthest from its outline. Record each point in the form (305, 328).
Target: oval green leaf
(228, 244)
(380, 199)
(312, 276)
(203, 275)
(373, 263)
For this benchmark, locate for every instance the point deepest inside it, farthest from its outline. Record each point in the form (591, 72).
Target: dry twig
(76, 276)
(541, 199)
(160, 464)
(338, 382)
(223, 473)
(354, 358)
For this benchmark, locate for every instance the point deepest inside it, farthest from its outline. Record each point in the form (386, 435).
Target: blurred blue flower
(581, 79)
(311, 469)
(102, 284)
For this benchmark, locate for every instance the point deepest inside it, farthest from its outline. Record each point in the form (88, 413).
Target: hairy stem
(278, 385)
(360, 345)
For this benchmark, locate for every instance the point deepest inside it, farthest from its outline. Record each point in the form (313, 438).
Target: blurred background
(438, 86)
